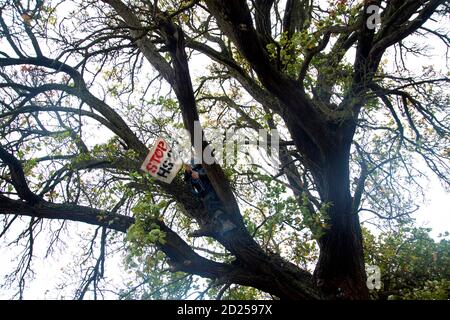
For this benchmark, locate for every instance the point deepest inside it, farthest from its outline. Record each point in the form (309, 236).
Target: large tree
(353, 125)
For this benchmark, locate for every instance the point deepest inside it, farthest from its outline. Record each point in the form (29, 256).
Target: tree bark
(340, 271)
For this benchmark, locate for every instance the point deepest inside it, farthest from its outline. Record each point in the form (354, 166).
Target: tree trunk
(340, 272)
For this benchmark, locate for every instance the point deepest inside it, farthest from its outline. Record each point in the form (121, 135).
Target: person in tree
(195, 176)
(197, 179)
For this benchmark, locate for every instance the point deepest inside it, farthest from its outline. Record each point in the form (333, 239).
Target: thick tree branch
(18, 177)
(235, 21)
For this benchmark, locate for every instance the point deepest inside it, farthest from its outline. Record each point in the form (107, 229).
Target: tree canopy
(351, 87)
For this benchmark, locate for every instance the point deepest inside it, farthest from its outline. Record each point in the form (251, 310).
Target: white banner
(161, 163)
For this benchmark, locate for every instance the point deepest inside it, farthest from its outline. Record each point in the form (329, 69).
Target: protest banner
(161, 162)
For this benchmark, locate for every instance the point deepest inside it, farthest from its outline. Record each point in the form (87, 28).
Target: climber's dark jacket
(203, 189)
(199, 187)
